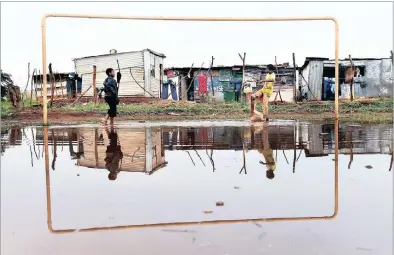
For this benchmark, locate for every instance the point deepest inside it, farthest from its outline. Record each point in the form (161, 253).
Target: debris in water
(236, 187)
(77, 174)
(208, 212)
(262, 235)
(257, 224)
(219, 203)
(368, 167)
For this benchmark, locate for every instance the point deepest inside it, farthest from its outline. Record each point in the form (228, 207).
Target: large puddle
(213, 188)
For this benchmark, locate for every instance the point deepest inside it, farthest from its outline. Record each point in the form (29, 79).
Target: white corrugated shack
(145, 67)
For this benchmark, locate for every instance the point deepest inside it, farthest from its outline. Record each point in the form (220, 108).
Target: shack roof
(283, 65)
(327, 60)
(126, 52)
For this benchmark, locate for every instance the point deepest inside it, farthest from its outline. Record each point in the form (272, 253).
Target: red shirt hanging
(202, 84)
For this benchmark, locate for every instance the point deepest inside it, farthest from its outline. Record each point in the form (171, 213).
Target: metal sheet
(155, 80)
(229, 96)
(315, 80)
(216, 84)
(58, 89)
(225, 74)
(128, 87)
(227, 87)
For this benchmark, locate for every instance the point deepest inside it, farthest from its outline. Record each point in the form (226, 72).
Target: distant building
(60, 85)
(141, 72)
(376, 78)
(221, 87)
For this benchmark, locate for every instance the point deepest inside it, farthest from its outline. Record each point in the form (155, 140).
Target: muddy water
(96, 185)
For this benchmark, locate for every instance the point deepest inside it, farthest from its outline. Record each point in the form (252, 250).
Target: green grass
(160, 108)
(376, 106)
(6, 109)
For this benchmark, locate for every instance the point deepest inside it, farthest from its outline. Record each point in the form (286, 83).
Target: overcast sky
(366, 30)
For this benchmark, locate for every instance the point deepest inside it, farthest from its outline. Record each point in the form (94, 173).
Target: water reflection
(113, 154)
(123, 151)
(143, 149)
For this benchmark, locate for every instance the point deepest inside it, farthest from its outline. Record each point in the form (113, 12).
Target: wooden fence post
(94, 85)
(295, 80)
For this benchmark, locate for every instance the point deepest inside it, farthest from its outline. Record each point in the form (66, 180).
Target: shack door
(315, 80)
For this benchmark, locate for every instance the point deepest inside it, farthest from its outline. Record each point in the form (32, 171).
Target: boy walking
(111, 96)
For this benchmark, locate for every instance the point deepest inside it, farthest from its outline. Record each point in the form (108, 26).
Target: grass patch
(6, 109)
(164, 107)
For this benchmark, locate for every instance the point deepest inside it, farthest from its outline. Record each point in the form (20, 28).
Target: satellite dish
(113, 51)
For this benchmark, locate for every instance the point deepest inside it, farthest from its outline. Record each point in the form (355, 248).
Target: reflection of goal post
(214, 222)
(88, 16)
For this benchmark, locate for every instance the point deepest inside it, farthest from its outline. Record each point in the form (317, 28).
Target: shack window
(329, 71)
(152, 67)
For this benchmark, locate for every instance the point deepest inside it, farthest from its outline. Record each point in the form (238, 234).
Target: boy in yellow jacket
(266, 91)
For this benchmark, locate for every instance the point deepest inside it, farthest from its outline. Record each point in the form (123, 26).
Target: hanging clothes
(202, 84)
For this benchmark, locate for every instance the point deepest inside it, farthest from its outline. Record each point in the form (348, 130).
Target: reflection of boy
(267, 154)
(113, 155)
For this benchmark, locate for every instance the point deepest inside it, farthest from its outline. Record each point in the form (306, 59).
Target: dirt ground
(34, 116)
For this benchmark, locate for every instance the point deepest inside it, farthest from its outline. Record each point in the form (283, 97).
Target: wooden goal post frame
(102, 16)
(180, 224)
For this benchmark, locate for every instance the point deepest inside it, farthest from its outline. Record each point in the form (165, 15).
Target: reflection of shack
(15, 136)
(64, 137)
(10, 137)
(229, 138)
(142, 149)
(353, 140)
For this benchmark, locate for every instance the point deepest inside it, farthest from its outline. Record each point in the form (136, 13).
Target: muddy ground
(60, 117)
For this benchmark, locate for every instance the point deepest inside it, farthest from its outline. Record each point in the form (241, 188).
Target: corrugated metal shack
(222, 76)
(376, 78)
(145, 66)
